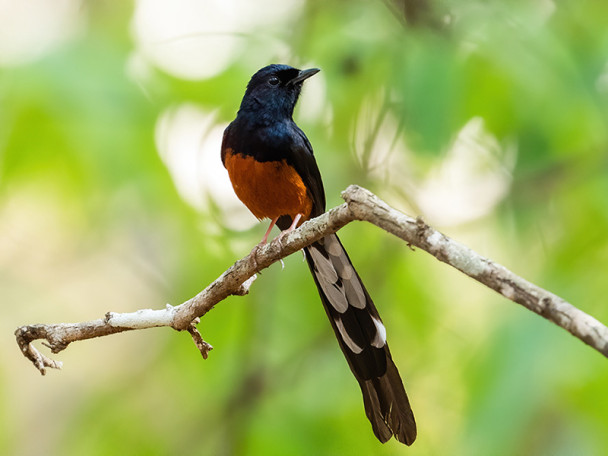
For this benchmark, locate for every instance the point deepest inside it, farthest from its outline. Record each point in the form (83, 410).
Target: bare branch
(367, 206)
(360, 205)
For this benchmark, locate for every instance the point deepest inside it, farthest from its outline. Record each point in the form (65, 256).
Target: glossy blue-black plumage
(264, 129)
(270, 101)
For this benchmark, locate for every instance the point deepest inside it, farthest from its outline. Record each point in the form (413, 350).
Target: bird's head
(274, 90)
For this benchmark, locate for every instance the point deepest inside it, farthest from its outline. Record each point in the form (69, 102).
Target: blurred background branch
(416, 13)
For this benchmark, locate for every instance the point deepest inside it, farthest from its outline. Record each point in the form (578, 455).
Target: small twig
(25, 336)
(360, 205)
(202, 346)
(244, 288)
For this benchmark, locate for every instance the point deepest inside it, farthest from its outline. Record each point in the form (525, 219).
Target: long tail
(362, 338)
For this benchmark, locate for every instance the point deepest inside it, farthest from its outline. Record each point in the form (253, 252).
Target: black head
(274, 90)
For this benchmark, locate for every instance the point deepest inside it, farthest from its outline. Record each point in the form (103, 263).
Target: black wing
(298, 153)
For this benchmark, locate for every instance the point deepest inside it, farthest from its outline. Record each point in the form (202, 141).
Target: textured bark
(360, 205)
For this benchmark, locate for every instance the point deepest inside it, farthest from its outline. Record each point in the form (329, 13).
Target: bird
(273, 171)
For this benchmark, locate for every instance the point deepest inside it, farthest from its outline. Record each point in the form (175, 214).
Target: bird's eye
(274, 81)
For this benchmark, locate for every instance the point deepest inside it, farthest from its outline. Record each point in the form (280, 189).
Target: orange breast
(268, 189)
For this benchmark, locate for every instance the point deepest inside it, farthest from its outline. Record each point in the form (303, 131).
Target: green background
(91, 221)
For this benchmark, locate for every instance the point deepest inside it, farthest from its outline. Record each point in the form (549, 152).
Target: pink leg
(272, 223)
(254, 251)
(290, 229)
(294, 223)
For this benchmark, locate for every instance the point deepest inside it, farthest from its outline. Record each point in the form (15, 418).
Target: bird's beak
(304, 74)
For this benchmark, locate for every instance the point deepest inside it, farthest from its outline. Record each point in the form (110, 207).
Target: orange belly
(268, 189)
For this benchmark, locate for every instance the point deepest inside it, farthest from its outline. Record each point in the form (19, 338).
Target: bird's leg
(292, 227)
(272, 223)
(254, 251)
(294, 223)
(284, 233)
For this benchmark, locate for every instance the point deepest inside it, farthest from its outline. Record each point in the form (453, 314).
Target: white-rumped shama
(274, 173)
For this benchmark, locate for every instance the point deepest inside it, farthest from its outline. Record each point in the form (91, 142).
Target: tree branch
(360, 205)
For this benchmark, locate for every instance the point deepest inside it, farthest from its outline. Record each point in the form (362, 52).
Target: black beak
(304, 74)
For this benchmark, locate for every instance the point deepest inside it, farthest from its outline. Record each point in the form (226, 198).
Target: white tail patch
(324, 266)
(380, 337)
(346, 338)
(354, 294)
(335, 296)
(347, 272)
(333, 246)
(328, 277)
(352, 286)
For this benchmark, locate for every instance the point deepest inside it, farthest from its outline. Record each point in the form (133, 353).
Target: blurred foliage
(91, 221)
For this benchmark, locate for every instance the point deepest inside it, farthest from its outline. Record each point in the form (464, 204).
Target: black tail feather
(362, 338)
